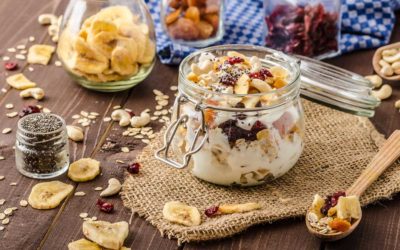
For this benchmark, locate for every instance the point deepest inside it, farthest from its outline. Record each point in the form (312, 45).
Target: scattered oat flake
(157, 92)
(13, 183)
(2, 177)
(58, 63)
(98, 188)
(12, 114)
(14, 208)
(20, 57)
(119, 161)
(4, 90)
(2, 201)
(8, 211)
(83, 215)
(5, 221)
(85, 124)
(1, 228)
(6, 58)
(80, 193)
(76, 116)
(84, 113)
(2, 216)
(23, 203)
(31, 39)
(46, 110)
(106, 119)
(23, 52)
(12, 50)
(125, 149)
(31, 69)
(6, 130)
(173, 88)
(147, 141)
(94, 218)
(21, 46)
(94, 113)
(2, 158)
(9, 106)
(117, 107)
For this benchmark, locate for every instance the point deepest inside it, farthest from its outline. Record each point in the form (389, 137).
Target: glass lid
(336, 87)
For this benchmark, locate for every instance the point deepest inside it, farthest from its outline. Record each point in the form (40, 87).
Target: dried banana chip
(115, 14)
(149, 53)
(47, 195)
(85, 169)
(89, 60)
(178, 212)
(104, 42)
(122, 61)
(40, 54)
(19, 81)
(238, 208)
(106, 234)
(83, 244)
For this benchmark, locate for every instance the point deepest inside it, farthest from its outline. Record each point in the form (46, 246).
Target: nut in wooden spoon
(338, 215)
(386, 61)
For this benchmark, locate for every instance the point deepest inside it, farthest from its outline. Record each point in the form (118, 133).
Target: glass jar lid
(336, 87)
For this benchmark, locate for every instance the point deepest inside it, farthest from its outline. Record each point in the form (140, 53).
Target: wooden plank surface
(54, 229)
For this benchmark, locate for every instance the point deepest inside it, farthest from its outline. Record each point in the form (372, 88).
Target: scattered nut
(75, 133)
(383, 93)
(83, 215)
(375, 80)
(140, 121)
(397, 104)
(114, 186)
(125, 149)
(122, 116)
(45, 19)
(36, 93)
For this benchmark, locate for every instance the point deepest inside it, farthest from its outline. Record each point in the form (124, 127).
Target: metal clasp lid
(162, 153)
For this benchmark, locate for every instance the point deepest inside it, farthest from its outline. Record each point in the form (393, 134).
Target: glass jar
(195, 23)
(232, 144)
(107, 45)
(308, 28)
(41, 147)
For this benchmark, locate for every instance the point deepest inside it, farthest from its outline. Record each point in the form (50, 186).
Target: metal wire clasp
(162, 153)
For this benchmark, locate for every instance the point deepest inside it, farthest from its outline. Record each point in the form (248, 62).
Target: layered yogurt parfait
(249, 102)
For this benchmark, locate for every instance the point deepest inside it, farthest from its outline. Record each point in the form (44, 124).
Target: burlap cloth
(338, 146)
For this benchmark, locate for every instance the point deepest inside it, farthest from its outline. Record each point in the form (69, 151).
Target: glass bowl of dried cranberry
(308, 28)
(238, 118)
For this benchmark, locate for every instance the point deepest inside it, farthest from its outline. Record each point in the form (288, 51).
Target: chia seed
(41, 146)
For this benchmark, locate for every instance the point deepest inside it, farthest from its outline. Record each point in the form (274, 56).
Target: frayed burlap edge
(233, 224)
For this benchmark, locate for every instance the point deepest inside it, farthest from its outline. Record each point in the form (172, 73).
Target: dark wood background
(54, 229)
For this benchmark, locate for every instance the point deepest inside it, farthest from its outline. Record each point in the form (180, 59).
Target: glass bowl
(107, 45)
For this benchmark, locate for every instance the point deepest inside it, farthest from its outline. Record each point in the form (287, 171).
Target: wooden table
(54, 229)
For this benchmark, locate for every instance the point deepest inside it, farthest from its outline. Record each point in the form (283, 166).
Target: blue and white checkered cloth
(365, 24)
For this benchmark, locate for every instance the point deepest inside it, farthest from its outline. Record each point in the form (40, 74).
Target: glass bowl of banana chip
(107, 45)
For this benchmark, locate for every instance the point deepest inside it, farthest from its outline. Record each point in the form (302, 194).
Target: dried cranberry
(211, 211)
(234, 59)
(29, 110)
(134, 168)
(131, 113)
(105, 206)
(258, 126)
(11, 65)
(262, 74)
(331, 201)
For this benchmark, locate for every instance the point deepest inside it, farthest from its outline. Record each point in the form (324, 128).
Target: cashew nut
(383, 63)
(375, 80)
(140, 121)
(393, 58)
(255, 64)
(389, 52)
(36, 93)
(202, 67)
(114, 186)
(122, 116)
(397, 104)
(53, 30)
(387, 70)
(45, 19)
(75, 133)
(383, 93)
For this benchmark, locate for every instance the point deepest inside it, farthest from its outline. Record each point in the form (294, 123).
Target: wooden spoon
(387, 154)
(378, 56)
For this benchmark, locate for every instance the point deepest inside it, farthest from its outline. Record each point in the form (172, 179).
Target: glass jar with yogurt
(238, 119)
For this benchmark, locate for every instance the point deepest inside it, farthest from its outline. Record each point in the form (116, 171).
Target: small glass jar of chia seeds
(41, 147)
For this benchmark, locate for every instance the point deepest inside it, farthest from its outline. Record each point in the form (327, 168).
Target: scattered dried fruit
(178, 212)
(134, 168)
(84, 169)
(106, 234)
(11, 66)
(29, 110)
(83, 244)
(47, 195)
(211, 211)
(105, 206)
